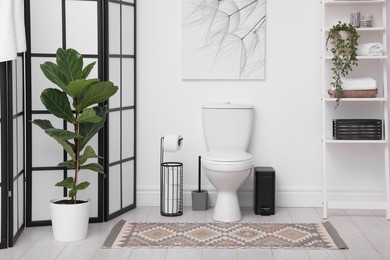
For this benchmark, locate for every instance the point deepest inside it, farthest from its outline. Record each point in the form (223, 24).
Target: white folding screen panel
(102, 31)
(3, 158)
(57, 24)
(81, 26)
(12, 150)
(18, 144)
(121, 120)
(45, 25)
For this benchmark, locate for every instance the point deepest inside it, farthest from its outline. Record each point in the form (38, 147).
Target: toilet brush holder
(199, 196)
(199, 200)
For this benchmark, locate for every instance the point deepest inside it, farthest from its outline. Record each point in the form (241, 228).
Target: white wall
(287, 129)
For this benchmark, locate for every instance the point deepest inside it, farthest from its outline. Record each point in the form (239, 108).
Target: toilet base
(227, 208)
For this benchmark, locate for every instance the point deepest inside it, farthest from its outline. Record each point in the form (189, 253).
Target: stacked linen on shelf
(357, 88)
(358, 83)
(370, 49)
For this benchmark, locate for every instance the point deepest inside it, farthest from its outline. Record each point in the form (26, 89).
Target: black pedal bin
(264, 191)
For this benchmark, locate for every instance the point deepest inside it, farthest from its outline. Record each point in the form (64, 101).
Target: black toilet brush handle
(199, 173)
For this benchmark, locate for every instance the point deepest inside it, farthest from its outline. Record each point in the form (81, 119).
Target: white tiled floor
(366, 232)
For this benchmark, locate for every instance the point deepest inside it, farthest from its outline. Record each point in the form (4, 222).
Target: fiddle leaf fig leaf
(80, 186)
(93, 167)
(76, 86)
(70, 63)
(57, 103)
(68, 164)
(67, 147)
(61, 134)
(67, 183)
(87, 70)
(88, 153)
(46, 125)
(89, 115)
(95, 93)
(43, 123)
(88, 130)
(51, 71)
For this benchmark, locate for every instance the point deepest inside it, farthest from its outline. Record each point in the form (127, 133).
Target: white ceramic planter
(69, 222)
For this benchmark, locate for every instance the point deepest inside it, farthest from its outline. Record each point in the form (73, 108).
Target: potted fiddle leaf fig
(76, 100)
(344, 40)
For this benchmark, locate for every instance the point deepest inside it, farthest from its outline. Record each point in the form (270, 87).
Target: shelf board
(382, 57)
(365, 29)
(332, 141)
(357, 204)
(364, 2)
(377, 99)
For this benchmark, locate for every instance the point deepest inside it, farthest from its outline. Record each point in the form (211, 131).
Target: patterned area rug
(224, 235)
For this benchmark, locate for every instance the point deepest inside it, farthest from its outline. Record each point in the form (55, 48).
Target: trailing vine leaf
(344, 40)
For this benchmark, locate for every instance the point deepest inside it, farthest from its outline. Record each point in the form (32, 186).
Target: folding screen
(120, 196)
(82, 25)
(12, 150)
(3, 159)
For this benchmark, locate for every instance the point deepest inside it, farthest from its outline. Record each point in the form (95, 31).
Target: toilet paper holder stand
(171, 185)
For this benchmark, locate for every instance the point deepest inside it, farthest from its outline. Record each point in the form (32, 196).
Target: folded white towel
(370, 49)
(12, 31)
(358, 83)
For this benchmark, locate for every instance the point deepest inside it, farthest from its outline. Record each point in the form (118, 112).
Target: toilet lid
(227, 156)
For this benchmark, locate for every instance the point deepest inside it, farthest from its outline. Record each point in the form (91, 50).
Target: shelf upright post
(323, 108)
(386, 112)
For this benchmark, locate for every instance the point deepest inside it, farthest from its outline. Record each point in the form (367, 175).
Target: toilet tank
(227, 127)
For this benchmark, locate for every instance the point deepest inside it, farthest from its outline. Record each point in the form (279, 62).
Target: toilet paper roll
(173, 143)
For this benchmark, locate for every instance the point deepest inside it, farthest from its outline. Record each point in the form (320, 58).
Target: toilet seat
(227, 160)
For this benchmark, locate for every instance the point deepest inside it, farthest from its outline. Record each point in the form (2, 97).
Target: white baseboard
(289, 197)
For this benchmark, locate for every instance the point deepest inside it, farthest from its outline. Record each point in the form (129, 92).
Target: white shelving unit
(375, 66)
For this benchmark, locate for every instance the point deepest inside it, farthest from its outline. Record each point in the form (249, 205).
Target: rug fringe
(335, 235)
(114, 234)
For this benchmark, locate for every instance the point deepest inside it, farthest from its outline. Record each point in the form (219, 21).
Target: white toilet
(227, 129)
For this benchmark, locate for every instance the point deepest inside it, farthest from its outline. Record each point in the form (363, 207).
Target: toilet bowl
(227, 130)
(227, 171)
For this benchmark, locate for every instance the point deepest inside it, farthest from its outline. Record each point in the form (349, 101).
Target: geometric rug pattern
(224, 235)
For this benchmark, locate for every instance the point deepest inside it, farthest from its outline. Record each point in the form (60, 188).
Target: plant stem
(77, 154)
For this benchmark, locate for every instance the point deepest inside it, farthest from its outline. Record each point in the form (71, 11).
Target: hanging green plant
(344, 39)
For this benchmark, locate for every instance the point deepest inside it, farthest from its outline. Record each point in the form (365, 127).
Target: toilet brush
(199, 173)
(199, 197)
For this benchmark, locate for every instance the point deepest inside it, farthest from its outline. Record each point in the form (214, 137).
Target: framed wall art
(223, 39)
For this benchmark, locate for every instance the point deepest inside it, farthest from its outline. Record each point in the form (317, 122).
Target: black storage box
(357, 129)
(264, 191)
